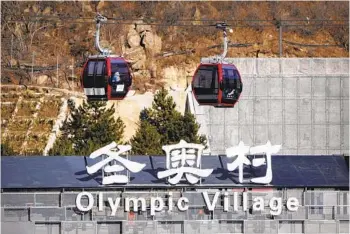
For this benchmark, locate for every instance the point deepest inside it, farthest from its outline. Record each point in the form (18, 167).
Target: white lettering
(182, 207)
(85, 201)
(268, 149)
(170, 201)
(240, 151)
(154, 207)
(114, 206)
(183, 159)
(235, 201)
(90, 201)
(100, 201)
(292, 204)
(275, 209)
(258, 204)
(212, 205)
(226, 201)
(135, 203)
(113, 156)
(245, 201)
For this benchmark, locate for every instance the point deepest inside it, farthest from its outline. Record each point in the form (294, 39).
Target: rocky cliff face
(140, 47)
(161, 54)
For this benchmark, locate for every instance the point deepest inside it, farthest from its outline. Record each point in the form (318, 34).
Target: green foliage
(163, 124)
(147, 140)
(6, 149)
(62, 146)
(90, 127)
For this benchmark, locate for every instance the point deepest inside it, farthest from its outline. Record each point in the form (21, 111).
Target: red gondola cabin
(217, 84)
(106, 78)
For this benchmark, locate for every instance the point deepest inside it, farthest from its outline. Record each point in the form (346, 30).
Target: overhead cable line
(180, 25)
(191, 20)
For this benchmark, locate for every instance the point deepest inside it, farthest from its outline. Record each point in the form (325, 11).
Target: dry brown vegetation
(69, 39)
(25, 125)
(49, 109)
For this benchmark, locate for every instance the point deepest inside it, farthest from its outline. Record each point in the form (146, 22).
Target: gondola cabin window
(205, 84)
(100, 68)
(91, 68)
(207, 78)
(231, 85)
(122, 70)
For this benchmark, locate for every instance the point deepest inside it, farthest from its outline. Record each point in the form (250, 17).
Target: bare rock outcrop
(86, 7)
(42, 79)
(151, 42)
(141, 46)
(140, 27)
(133, 38)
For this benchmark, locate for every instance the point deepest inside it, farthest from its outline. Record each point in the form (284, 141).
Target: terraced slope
(27, 118)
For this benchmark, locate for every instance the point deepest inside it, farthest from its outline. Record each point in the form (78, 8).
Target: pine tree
(147, 140)
(170, 125)
(89, 127)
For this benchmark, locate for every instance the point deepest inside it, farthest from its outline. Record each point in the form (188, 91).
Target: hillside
(152, 36)
(28, 117)
(46, 43)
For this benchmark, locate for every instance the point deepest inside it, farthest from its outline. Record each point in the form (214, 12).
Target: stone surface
(142, 28)
(133, 38)
(142, 74)
(303, 108)
(152, 42)
(42, 79)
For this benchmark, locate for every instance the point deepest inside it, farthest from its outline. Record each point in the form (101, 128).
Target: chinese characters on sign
(240, 153)
(109, 165)
(183, 161)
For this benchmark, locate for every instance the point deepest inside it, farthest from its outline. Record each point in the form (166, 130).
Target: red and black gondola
(106, 78)
(217, 84)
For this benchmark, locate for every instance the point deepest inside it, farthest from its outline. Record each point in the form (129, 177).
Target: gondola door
(94, 80)
(205, 84)
(120, 79)
(231, 85)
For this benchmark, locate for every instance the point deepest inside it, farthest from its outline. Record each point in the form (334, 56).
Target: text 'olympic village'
(184, 159)
(250, 189)
(157, 204)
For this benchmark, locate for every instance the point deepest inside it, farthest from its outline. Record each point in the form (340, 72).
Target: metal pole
(99, 18)
(57, 70)
(225, 45)
(11, 49)
(280, 39)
